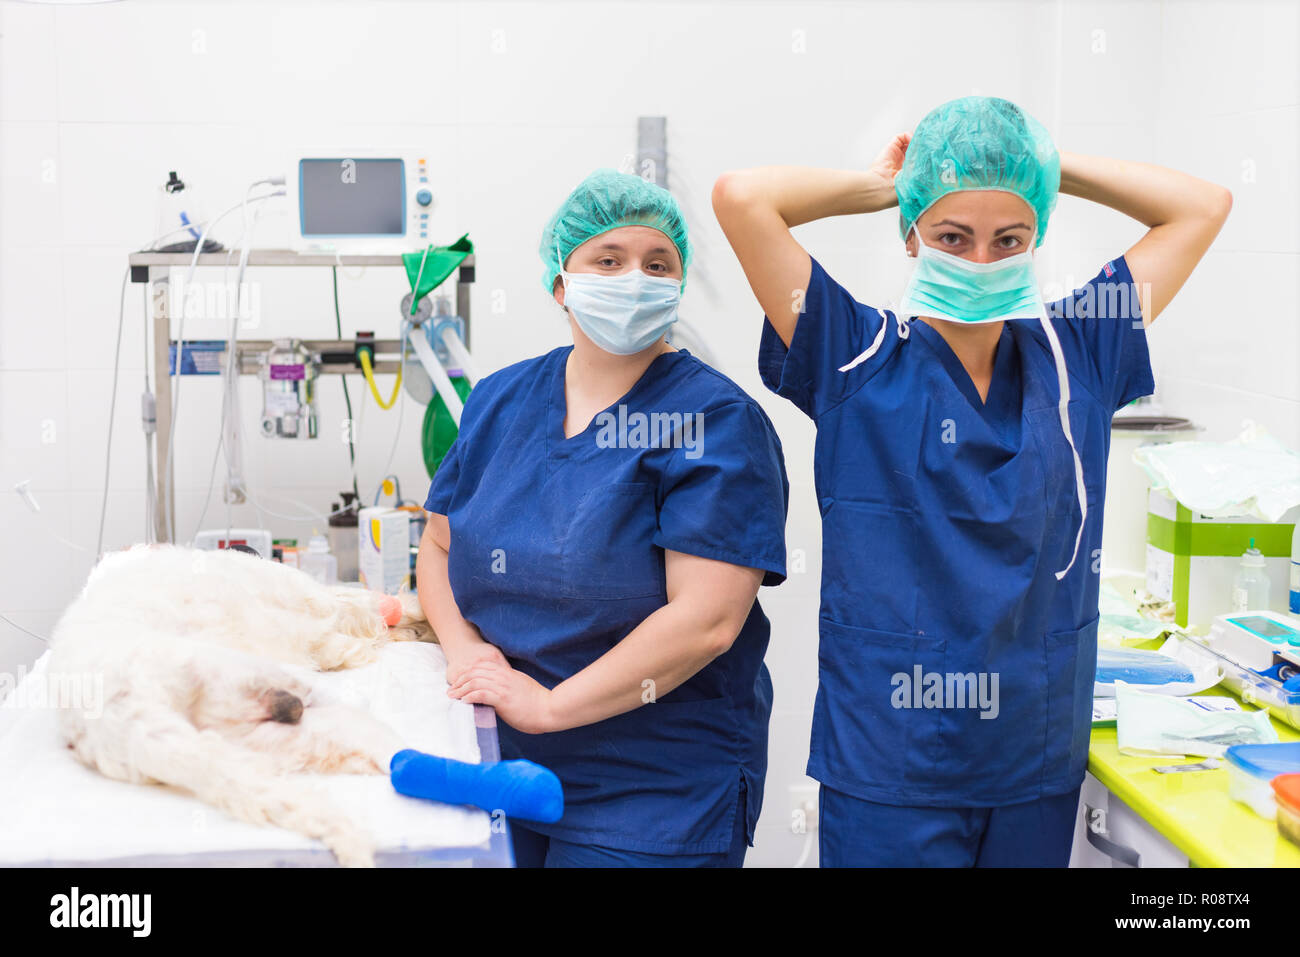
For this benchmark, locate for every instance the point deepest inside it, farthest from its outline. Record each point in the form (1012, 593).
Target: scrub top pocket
(870, 713)
(1071, 667)
(607, 552)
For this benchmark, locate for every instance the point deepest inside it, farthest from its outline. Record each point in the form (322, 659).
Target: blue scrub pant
(538, 850)
(857, 833)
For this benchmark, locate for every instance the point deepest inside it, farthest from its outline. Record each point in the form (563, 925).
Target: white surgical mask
(622, 314)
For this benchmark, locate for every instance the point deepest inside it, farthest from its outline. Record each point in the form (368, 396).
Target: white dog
(187, 643)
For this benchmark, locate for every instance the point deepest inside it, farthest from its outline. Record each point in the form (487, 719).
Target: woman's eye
(1009, 242)
(607, 261)
(655, 267)
(950, 239)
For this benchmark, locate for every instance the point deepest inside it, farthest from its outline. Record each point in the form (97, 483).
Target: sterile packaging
(384, 543)
(1286, 792)
(1251, 770)
(1148, 670)
(1159, 725)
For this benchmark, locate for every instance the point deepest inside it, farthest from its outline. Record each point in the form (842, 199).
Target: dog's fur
(188, 644)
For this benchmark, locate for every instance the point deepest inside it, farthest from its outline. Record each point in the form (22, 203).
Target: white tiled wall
(513, 103)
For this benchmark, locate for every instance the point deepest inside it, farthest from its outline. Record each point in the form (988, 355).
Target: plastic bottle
(1250, 587)
(1294, 602)
(318, 562)
(343, 536)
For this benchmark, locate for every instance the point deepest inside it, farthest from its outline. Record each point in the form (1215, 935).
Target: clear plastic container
(1252, 768)
(1250, 587)
(318, 562)
(1253, 688)
(1286, 791)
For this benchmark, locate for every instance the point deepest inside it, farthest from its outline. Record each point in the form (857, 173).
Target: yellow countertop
(1192, 809)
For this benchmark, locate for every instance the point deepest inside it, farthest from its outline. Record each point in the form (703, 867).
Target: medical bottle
(1250, 587)
(318, 562)
(1294, 603)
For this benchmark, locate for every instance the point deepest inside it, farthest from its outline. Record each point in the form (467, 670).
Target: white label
(281, 403)
(1160, 573)
(1239, 599)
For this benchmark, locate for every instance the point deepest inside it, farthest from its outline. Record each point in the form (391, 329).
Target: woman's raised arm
(1184, 215)
(757, 208)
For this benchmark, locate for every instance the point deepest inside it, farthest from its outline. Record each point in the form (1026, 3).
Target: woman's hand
(465, 658)
(520, 702)
(890, 160)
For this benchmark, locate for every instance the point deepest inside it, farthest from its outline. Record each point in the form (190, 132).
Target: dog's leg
(169, 750)
(329, 738)
(229, 689)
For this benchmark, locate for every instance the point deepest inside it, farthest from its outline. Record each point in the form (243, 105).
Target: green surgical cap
(605, 200)
(978, 142)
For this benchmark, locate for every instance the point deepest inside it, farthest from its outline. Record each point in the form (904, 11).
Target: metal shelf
(155, 267)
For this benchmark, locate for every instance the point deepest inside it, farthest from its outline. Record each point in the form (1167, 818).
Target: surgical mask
(622, 314)
(948, 287)
(945, 286)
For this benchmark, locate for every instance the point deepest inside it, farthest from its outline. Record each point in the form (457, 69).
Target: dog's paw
(352, 849)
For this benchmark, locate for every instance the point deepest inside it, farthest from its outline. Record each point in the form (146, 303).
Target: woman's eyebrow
(999, 232)
(948, 222)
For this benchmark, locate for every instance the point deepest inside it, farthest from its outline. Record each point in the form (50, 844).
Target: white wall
(514, 103)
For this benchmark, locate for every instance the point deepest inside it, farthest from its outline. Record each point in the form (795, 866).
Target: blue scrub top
(944, 521)
(557, 553)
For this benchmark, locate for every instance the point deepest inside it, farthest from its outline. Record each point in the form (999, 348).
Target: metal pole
(165, 516)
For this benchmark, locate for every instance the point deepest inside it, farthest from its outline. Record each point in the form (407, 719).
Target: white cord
(221, 427)
(180, 345)
(338, 259)
(24, 630)
(112, 408)
(150, 484)
(401, 408)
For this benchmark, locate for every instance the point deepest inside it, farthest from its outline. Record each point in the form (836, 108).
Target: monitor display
(1264, 627)
(352, 197)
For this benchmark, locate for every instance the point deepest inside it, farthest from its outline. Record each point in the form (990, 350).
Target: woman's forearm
(802, 194)
(1153, 195)
(662, 652)
(434, 588)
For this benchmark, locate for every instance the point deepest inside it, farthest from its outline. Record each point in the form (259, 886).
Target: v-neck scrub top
(944, 521)
(557, 553)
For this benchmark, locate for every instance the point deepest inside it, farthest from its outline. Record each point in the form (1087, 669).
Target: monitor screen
(1264, 627)
(347, 197)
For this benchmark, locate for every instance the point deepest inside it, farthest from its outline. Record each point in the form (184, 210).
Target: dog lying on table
(190, 644)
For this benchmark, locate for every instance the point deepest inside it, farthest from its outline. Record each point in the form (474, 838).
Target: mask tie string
(1058, 356)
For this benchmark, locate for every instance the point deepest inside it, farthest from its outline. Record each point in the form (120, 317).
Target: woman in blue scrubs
(599, 532)
(961, 468)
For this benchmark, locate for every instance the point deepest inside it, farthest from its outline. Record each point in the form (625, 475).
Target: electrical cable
(112, 408)
(24, 630)
(180, 345)
(368, 371)
(347, 397)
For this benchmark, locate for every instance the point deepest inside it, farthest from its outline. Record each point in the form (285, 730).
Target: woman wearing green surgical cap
(961, 467)
(600, 530)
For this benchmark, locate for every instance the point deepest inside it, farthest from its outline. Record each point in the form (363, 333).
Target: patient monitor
(359, 201)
